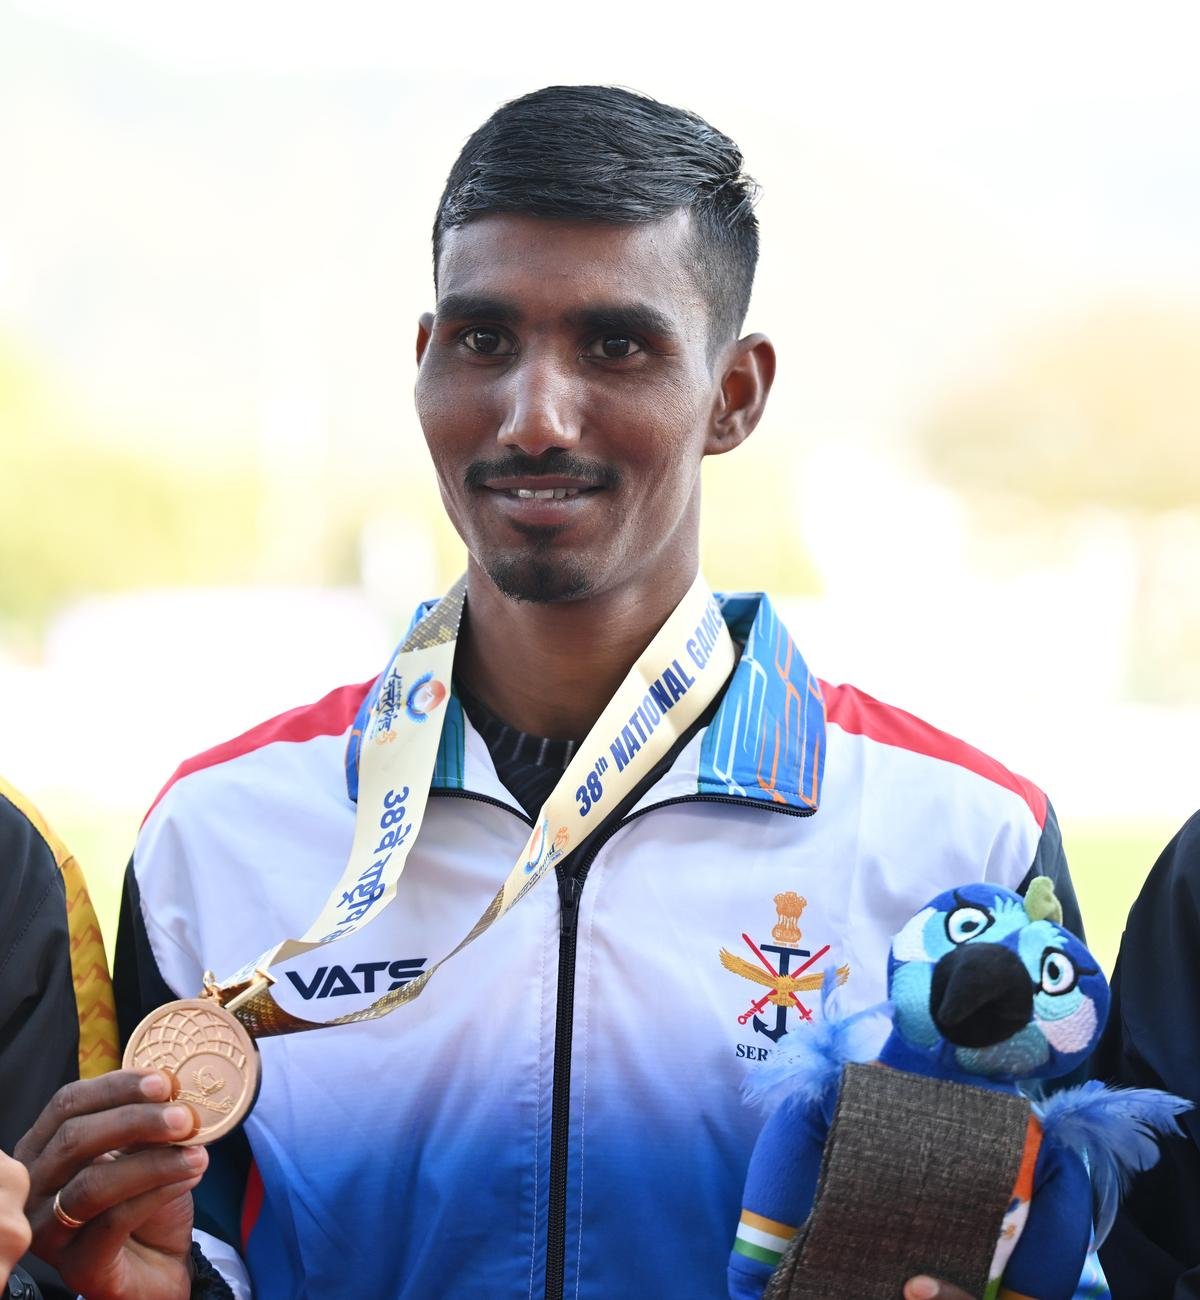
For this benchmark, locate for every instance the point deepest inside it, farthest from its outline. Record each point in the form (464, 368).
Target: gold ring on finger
(63, 1217)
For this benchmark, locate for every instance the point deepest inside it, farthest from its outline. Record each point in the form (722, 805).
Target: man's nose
(540, 409)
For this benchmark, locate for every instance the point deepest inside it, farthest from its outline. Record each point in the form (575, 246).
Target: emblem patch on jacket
(784, 968)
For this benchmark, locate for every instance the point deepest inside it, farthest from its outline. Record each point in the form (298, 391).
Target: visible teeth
(546, 494)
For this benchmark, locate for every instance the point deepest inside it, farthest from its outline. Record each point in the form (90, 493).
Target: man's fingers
(929, 1288)
(14, 1240)
(88, 1097)
(108, 1233)
(105, 1184)
(14, 1180)
(82, 1138)
(100, 1258)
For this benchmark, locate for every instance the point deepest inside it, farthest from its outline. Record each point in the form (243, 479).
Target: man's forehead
(541, 265)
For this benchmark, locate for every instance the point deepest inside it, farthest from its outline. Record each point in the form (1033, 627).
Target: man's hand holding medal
(110, 1185)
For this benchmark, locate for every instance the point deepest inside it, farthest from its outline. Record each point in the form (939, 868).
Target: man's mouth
(535, 502)
(540, 494)
(543, 494)
(538, 487)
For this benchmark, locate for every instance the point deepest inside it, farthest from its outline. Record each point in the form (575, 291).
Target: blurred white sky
(214, 233)
(935, 175)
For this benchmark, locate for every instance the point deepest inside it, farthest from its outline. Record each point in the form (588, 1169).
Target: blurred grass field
(1109, 860)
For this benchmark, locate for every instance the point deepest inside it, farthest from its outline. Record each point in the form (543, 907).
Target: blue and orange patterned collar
(765, 744)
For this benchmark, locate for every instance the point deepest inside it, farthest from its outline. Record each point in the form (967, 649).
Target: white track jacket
(560, 1113)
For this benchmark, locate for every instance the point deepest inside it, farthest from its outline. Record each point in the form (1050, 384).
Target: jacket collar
(765, 743)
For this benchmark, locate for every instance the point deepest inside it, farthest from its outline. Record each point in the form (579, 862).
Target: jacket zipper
(570, 886)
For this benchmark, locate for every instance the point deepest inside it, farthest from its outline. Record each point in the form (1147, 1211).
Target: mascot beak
(981, 994)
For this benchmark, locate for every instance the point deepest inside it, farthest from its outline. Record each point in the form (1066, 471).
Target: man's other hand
(929, 1288)
(14, 1226)
(101, 1147)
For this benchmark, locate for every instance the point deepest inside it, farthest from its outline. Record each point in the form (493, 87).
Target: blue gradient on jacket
(629, 1190)
(410, 1179)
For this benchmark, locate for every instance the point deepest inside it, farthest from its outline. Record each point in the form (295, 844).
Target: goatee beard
(539, 579)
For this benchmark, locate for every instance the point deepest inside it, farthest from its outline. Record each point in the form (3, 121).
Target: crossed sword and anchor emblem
(784, 988)
(787, 984)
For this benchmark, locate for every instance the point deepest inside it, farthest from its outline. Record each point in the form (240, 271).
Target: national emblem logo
(789, 907)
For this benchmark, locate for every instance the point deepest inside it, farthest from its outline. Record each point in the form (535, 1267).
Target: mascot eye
(967, 922)
(1058, 972)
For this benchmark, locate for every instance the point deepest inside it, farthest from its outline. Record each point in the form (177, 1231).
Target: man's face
(566, 396)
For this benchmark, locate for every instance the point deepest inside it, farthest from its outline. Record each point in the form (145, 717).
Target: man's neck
(550, 669)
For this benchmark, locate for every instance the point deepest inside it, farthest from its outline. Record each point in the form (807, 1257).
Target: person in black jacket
(57, 1022)
(1153, 1040)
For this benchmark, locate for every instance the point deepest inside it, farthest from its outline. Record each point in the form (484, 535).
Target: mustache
(558, 463)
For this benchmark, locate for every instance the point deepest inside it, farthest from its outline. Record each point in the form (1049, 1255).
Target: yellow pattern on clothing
(89, 966)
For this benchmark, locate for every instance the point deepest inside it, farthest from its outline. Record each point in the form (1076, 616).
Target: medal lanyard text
(673, 681)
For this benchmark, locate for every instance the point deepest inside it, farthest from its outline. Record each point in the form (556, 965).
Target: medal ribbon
(673, 681)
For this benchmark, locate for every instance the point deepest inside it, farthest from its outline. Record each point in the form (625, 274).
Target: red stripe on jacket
(329, 716)
(251, 1203)
(859, 714)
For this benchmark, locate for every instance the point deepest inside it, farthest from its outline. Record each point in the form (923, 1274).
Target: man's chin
(540, 581)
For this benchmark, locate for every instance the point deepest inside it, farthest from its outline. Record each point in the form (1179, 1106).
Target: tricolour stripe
(761, 1238)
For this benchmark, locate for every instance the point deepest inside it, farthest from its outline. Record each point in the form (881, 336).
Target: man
(559, 1112)
(1150, 1042)
(57, 1021)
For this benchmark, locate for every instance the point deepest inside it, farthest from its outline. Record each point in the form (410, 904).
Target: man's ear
(745, 384)
(424, 331)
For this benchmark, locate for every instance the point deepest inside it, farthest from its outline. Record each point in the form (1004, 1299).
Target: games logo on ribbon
(421, 699)
(426, 694)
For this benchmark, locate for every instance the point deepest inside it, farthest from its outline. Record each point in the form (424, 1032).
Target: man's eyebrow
(470, 306)
(624, 318)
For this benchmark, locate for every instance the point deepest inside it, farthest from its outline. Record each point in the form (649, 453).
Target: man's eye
(487, 342)
(614, 347)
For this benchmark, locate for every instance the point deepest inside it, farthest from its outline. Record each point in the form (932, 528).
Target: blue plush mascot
(928, 1157)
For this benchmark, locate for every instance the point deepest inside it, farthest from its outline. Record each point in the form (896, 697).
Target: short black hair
(602, 153)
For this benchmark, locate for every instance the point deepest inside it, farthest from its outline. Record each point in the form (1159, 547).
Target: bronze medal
(209, 1052)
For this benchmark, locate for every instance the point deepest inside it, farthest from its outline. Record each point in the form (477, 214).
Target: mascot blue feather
(1115, 1131)
(986, 989)
(808, 1067)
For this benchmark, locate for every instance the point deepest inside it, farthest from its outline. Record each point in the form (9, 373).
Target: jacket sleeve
(1050, 860)
(139, 988)
(56, 1013)
(38, 1019)
(1153, 1040)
